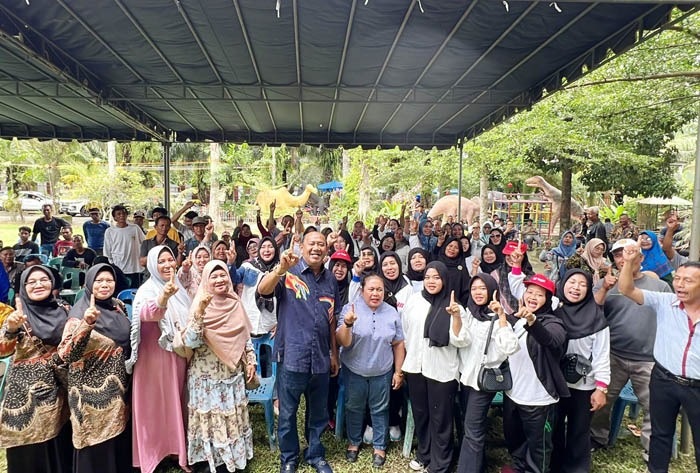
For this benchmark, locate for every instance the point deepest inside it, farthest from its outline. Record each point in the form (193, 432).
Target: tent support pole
(694, 254)
(460, 143)
(166, 175)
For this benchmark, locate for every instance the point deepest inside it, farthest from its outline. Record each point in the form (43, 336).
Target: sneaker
(368, 435)
(394, 433)
(416, 465)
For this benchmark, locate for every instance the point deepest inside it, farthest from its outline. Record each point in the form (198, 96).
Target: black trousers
(528, 435)
(476, 406)
(432, 403)
(666, 397)
(572, 438)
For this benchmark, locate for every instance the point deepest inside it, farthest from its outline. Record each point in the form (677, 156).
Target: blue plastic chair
(626, 398)
(5, 361)
(44, 259)
(264, 393)
(56, 262)
(127, 297)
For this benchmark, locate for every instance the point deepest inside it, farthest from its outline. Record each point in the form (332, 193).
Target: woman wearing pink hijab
(218, 330)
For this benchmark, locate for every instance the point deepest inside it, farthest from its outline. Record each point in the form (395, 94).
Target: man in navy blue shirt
(305, 347)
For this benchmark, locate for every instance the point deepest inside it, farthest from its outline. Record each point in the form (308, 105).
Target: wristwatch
(602, 389)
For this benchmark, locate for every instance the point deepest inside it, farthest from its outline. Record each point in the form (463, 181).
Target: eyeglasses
(37, 282)
(495, 236)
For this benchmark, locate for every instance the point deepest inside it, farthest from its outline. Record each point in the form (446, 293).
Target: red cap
(341, 255)
(542, 281)
(511, 246)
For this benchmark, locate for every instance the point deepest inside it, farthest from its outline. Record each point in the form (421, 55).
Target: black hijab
(373, 268)
(46, 318)
(344, 285)
(503, 242)
(458, 274)
(392, 287)
(438, 321)
(412, 274)
(266, 266)
(381, 243)
(582, 318)
(482, 313)
(112, 322)
(490, 267)
(349, 246)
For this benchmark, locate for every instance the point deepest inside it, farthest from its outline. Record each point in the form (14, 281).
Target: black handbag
(575, 367)
(493, 380)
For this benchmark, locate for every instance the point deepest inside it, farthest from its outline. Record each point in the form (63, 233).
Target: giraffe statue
(553, 194)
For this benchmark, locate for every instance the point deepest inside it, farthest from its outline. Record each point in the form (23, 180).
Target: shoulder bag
(493, 379)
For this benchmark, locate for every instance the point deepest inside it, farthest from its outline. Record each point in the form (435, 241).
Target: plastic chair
(127, 297)
(11, 297)
(56, 262)
(73, 274)
(5, 361)
(264, 393)
(626, 398)
(80, 294)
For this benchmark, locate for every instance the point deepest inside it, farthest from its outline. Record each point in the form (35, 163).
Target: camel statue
(285, 202)
(447, 205)
(553, 194)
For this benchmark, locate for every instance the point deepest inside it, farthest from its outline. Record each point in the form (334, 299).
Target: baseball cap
(191, 214)
(341, 255)
(542, 281)
(512, 245)
(93, 210)
(199, 221)
(621, 243)
(140, 213)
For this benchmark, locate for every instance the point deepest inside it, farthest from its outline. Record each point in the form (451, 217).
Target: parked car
(31, 201)
(75, 207)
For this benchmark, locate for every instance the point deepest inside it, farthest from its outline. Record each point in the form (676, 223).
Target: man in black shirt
(596, 228)
(25, 247)
(49, 227)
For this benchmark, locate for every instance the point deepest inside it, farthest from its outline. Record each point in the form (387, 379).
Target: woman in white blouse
(434, 328)
(486, 320)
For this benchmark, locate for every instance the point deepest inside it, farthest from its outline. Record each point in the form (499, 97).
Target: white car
(74, 207)
(31, 201)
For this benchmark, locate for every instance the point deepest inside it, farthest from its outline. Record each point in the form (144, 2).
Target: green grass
(625, 457)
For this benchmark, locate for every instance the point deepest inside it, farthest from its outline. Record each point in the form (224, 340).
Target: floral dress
(219, 430)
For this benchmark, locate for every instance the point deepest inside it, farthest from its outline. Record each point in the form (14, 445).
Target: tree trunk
(346, 163)
(565, 209)
(484, 196)
(214, 193)
(364, 190)
(112, 158)
(273, 169)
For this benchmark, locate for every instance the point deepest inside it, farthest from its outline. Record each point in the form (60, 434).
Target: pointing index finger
(18, 305)
(92, 301)
(452, 297)
(494, 298)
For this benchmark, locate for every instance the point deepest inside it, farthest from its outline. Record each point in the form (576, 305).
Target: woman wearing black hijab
(588, 337)
(491, 260)
(452, 257)
(418, 259)
(96, 343)
(434, 329)
(529, 408)
(487, 321)
(497, 239)
(396, 287)
(34, 418)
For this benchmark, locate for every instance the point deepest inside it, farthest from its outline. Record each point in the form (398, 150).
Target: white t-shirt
(122, 246)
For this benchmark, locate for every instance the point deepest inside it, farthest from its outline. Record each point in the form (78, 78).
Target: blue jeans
(290, 386)
(47, 249)
(362, 391)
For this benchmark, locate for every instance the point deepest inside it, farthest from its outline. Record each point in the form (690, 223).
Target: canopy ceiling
(351, 72)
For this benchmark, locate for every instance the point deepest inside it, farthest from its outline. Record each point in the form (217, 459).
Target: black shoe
(290, 467)
(322, 466)
(351, 455)
(378, 460)
(595, 446)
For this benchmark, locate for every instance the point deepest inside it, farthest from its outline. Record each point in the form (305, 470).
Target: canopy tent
(672, 202)
(330, 186)
(334, 72)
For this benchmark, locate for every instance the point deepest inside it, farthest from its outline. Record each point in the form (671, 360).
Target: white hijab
(175, 314)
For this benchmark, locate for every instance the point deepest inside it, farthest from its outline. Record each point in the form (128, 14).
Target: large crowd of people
(411, 316)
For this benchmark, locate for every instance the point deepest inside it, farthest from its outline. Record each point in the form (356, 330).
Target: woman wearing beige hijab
(591, 259)
(218, 330)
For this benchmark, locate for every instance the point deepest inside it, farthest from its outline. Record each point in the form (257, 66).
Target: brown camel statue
(284, 200)
(553, 194)
(447, 205)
